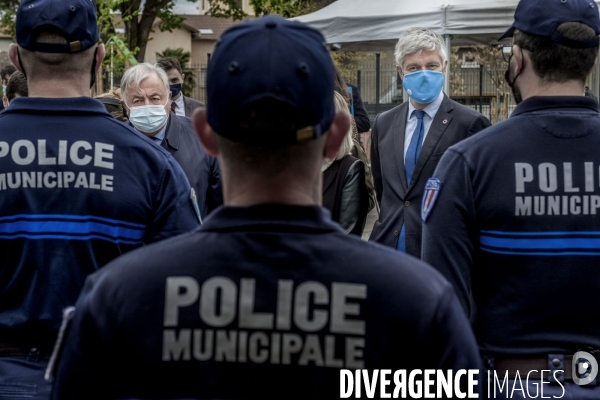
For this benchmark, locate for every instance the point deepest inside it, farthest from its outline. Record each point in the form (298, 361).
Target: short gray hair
(136, 74)
(415, 40)
(346, 147)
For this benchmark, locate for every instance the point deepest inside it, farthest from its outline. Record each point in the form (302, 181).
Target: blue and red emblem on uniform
(432, 190)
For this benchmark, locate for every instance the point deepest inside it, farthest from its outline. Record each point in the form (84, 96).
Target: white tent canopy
(375, 25)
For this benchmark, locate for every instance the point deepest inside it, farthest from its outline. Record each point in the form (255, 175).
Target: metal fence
(199, 90)
(482, 88)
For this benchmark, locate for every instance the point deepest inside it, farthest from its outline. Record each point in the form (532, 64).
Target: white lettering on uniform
(340, 308)
(16, 152)
(523, 174)
(74, 153)
(43, 159)
(208, 301)
(301, 306)
(249, 318)
(103, 151)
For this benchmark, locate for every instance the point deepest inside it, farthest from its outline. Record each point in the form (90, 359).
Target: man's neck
(531, 85)
(570, 88)
(283, 190)
(177, 97)
(419, 106)
(58, 88)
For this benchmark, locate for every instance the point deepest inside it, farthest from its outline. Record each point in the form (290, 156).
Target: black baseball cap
(73, 19)
(543, 17)
(270, 82)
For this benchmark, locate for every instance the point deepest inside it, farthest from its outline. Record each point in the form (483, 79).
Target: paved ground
(371, 218)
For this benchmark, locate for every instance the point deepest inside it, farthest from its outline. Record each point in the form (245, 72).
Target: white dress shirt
(180, 106)
(411, 121)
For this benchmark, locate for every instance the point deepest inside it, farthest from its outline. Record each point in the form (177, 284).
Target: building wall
(204, 6)
(4, 42)
(201, 49)
(179, 38)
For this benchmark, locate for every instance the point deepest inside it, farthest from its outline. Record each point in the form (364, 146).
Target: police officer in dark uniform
(512, 215)
(269, 299)
(77, 187)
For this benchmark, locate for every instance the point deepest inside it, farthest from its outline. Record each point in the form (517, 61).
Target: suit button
(407, 203)
(396, 233)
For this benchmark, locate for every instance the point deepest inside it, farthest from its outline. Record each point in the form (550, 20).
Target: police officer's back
(512, 216)
(77, 187)
(269, 299)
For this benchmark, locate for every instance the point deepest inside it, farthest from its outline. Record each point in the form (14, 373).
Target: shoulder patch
(432, 190)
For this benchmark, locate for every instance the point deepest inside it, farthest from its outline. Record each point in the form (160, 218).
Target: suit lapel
(440, 122)
(173, 131)
(186, 106)
(399, 135)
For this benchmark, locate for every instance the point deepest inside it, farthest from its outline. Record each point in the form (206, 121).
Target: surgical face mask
(148, 119)
(513, 87)
(3, 89)
(423, 86)
(175, 90)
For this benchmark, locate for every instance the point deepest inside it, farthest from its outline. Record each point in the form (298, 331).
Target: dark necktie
(412, 155)
(414, 148)
(173, 106)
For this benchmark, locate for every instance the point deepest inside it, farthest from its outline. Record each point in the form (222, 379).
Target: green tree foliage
(184, 57)
(8, 10)
(138, 16)
(285, 8)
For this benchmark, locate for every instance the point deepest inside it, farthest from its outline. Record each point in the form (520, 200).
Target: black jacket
(363, 123)
(201, 169)
(345, 194)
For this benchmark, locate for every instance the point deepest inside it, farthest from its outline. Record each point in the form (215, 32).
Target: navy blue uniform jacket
(262, 302)
(516, 228)
(77, 189)
(201, 169)
(400, 200)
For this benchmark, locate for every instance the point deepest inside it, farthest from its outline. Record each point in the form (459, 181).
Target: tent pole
(447, 80)
(377, 81)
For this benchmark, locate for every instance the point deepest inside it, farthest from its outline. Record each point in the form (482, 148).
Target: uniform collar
(541, 103)
(67, 105)
(271, 217)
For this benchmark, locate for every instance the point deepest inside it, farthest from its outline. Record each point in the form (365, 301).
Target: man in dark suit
(409, 140)
(181, 105)
(146, 98)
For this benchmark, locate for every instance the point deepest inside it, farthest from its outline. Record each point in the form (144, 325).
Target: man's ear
(340, 126)
(100, 53)
(519, 55)
(13, 54)
(399, 69)
(445, 66)
(205, 132)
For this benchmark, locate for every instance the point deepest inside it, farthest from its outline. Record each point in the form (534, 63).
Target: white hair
(136, 74)
(346, 147)
(415, 40)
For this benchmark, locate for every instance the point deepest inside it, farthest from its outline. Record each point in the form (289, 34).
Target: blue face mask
(175, 90)
(423, 86)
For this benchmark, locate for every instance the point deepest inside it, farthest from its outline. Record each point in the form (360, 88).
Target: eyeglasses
(507, 52)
